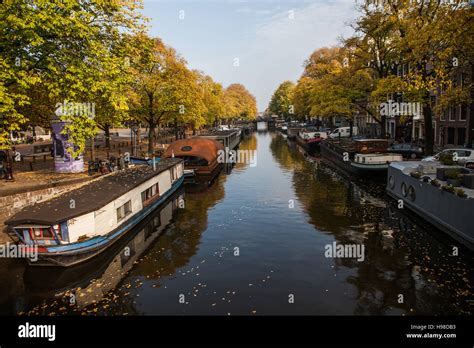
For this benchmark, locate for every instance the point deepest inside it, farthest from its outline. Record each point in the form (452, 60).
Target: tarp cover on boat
(196, 147)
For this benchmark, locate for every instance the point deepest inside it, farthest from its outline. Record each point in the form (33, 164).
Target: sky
(258, 43)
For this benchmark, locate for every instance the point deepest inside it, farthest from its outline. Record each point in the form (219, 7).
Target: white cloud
(285, 40)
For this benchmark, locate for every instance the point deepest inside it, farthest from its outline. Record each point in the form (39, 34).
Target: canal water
(254, 243)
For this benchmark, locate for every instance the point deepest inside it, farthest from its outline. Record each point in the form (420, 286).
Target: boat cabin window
(150, 193)
(195, 161)
(124, 210)
(41, 233)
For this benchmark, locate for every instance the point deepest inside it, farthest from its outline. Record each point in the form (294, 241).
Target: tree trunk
(383, 124)
(429, 138)
(107, 136)
(151, 124)
(176, 132)
(92, 149)
(151, 139)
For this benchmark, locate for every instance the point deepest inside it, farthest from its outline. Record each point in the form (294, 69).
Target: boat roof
(196, 147)
(371, 140)
(219, 133)
(90, 197)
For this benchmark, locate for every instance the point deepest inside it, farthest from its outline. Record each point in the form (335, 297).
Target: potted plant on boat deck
(461, 193)
(453, 177)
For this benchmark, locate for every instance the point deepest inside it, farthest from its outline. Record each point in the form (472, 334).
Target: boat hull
(446, 211)
(311, 147)
(76, 253)
(350, 167)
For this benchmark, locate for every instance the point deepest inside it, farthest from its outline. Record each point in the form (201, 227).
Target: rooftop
(217, 133)
(90, 197)
(428, 169)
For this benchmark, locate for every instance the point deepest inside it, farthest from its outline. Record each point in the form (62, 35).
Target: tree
(65, 47)
(239, 103)
(163, 88)
(426, 36)
(332, 85)
(301, 99)
(281, 102)
(213, 98)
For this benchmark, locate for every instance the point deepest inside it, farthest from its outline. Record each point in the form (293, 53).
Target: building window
(452, 114)
(442, 117)
(463, 114)
(150, 193)
(124, 210)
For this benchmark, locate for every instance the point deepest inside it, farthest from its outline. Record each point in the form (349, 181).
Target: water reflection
(240, 247)
(75, 288)
(403, 254)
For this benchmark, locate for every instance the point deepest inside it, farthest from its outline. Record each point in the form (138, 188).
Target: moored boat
(292, 132)
(200, 156)
(309, 139)
(82, 223)
(110, 266)
(361, 156)
(230, 138)
(418, 186)
(144, 160)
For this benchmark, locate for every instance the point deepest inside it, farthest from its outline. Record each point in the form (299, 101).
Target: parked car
(343, 132)
(464, 156)
(407, 150)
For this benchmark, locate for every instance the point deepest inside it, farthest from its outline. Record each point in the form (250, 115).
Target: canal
(254, 243)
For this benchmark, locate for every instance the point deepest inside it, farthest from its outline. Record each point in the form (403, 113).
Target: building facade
(455, 126)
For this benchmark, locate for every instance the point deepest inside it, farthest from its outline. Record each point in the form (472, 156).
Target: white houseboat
(82, 223)
(109, 267)
(310, 138)
(359, 157)
(228, 138)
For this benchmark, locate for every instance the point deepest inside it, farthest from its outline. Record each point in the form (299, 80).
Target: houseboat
(359, 157)
(292, 132)
(200, 156)
(228, 138)
(420, 187)
(82, 223)
(246, 131)
(309, 139)
(107, 268)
